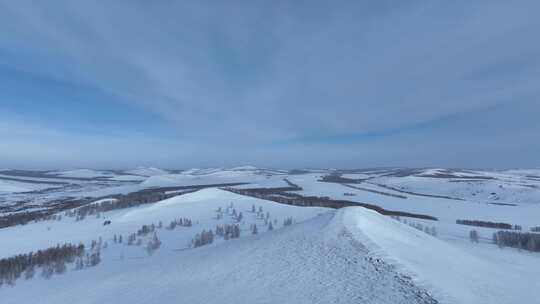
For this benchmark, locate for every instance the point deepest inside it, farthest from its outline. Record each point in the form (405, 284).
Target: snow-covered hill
(349, 256)
(314, 261)
(311, 254)
(146, 171)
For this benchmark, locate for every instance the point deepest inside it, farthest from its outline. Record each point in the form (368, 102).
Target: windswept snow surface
(200, 206)
(314, 261)
(351, 255)
(451, 273)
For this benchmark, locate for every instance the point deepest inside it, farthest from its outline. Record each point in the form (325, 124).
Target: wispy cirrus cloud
(245, 75)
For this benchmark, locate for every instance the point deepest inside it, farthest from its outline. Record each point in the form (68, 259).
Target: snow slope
(314, 261)
(446, 210)
(352, 255)
(200, 206)
(454, 275)
(510, 187)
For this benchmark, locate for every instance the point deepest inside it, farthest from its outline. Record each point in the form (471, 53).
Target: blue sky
(272, 83)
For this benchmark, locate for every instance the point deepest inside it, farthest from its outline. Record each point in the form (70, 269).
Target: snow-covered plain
(7, 186)
(351, 255)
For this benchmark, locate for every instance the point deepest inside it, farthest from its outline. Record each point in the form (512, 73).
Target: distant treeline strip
(488, 224)
(338, 179)
(22, 218)
(279, 196)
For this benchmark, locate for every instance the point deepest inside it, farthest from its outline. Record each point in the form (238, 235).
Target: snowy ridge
(453, 275)
(314, 261)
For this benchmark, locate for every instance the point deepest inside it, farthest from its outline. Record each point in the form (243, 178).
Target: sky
(290, 84)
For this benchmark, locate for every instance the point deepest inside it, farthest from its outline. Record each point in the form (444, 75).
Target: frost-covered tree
(473, 236)
(94, 259)
(131, 239)
(288, 221)
(153, 244)
(203, 238)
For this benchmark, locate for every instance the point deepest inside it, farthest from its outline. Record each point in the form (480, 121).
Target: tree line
(528, 241)
(51, 260)
(418, 226)
(487, 224)
(24, 217)
(279, 195)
